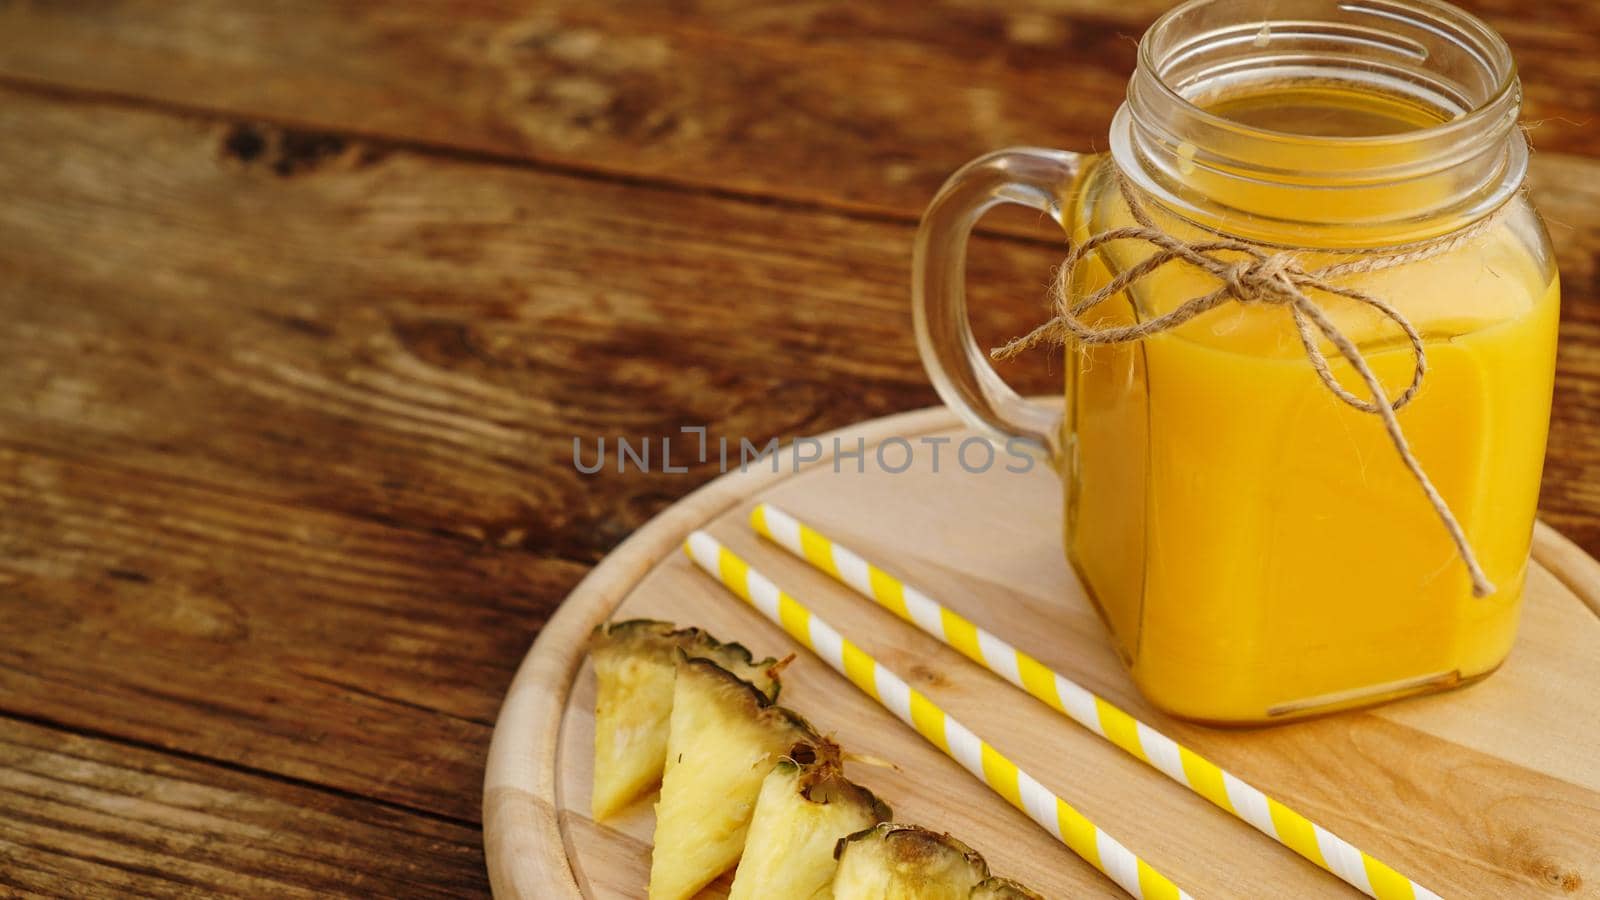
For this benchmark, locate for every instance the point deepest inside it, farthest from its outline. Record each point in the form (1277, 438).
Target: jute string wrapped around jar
(1275, 279)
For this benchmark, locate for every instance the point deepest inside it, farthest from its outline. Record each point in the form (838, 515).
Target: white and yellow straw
(1268, 816)
(958, 742)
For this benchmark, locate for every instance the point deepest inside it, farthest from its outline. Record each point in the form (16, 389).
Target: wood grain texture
(761, 99)
(393, 336)
(330, 649)
(90, 817)
(1488, 792)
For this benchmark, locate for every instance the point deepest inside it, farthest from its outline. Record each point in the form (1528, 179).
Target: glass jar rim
(1368, 189)
(1506, 91)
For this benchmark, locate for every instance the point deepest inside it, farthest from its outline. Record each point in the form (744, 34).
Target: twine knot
(1262, 280)
(1249, 275)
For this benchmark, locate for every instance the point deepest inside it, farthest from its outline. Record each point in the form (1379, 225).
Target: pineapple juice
(1256, 546)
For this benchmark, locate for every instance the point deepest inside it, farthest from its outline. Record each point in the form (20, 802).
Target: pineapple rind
(800, 814)
(634, 663)
(663, 637)
(725, 737)
(1004, 889)
(904, 862)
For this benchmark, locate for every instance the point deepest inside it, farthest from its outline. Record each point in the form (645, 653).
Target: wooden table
(304, 302)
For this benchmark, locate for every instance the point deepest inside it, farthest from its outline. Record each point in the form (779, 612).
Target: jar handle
(959, 369)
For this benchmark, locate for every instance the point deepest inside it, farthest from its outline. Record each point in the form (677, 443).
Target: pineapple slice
(904, 862)
(1004, 889)
(634, 662)
(800, 815)
(725, 738)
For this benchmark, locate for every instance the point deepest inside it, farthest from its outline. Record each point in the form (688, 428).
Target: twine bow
(1275, 279)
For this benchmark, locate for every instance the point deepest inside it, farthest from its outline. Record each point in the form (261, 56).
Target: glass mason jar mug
(1256, 545)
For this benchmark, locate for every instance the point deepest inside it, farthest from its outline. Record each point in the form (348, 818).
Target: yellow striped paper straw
(958, 742)
(1200, 775)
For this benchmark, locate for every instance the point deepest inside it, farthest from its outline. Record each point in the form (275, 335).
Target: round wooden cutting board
(1489, 791)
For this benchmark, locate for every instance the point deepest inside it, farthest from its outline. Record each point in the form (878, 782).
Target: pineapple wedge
(904, 862)
(1004, 889)
(725, 737)
(635, 662)
(800, 815)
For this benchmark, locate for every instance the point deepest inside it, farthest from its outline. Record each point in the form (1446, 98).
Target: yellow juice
(1256, 546)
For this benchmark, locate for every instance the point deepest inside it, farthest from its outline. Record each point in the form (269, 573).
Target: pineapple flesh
(635, 662)
(1004, 889)
(724, 739)
(800, 815)
(904, 862)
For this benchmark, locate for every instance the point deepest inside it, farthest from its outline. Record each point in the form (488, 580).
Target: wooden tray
(1489, 791)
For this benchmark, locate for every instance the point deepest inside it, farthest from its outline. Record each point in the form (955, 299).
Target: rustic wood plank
(399, 337)
(81, 816)
(337, 651)
(1567, 192)
(864, 106)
